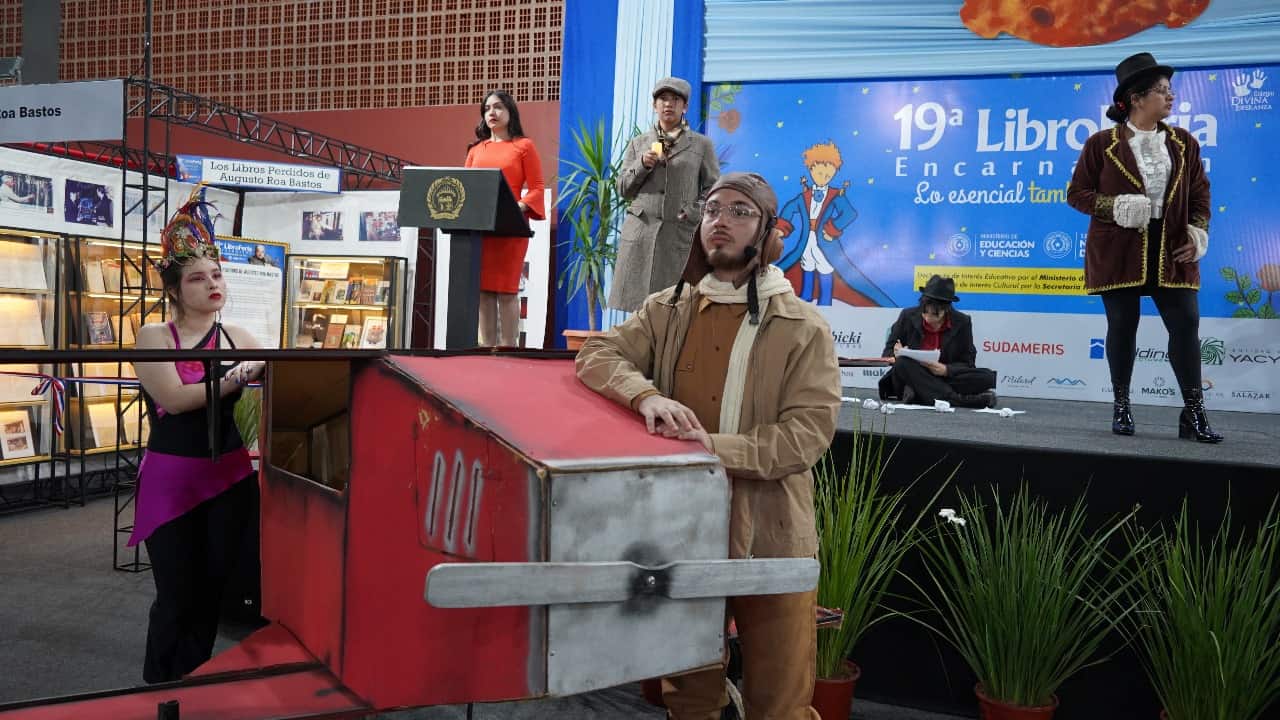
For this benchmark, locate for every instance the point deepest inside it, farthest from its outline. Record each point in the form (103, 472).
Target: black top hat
(1134, 68)
(940, 289)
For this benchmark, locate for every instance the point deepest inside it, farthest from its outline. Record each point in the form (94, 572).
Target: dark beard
(721, 259)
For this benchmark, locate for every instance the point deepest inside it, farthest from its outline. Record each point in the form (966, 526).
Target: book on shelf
(374, 333)
(351, 337)
(110, 275)
(124, 328)
(132, 277)
(368, 292)
(18, 389)
(22, 266)
(339, 293)
(135, 424)
(15, 435)
(104, 370)
(21, 321)
(154, 281)
(93, 279)
(97, 328)
(104, 422)
(383, 292)
(333, 335)
(353, 291)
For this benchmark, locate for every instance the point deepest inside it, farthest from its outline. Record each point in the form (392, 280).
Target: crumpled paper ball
(941, 406)
(1006, 412)
(870, 404)
(887, 409)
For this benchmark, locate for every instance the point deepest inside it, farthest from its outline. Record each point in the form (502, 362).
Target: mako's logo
(1159, 389)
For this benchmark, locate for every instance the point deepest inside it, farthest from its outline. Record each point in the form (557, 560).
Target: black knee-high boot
(1121, 414)
(1193, 423)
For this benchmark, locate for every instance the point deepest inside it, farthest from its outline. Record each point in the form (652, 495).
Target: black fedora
(1134, 68)
(940, 289)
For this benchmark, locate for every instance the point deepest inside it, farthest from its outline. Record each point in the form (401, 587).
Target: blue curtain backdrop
(586, 93)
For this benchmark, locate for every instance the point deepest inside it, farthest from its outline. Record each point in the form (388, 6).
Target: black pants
(1179, 309)
(929, 387)
(191, 558)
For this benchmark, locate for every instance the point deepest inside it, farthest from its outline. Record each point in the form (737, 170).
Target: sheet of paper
(920, 355)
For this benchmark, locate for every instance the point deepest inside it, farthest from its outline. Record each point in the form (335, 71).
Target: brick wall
(275, 56)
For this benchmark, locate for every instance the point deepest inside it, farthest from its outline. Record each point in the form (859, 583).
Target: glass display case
(112, 289)
(349, 302)
(28, 321)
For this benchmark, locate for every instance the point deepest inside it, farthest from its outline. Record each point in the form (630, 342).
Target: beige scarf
(770, 282)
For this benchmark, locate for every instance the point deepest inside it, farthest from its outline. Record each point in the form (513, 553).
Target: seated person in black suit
(935, 325)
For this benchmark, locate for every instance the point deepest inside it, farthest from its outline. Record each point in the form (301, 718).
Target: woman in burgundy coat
(1142, 184)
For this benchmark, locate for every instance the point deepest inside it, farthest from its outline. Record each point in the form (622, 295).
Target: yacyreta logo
(1097, 349)
(1212, 351)
(1068, 382)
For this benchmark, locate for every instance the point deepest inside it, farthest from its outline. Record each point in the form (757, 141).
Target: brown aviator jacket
(789, 409)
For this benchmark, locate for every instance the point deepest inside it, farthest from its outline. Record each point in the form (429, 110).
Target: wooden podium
(468, 203)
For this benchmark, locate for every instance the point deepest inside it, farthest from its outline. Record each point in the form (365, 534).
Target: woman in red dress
(501, 144)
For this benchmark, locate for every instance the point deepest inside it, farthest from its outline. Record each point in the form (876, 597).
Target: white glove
(1132, 211)
(1200, 238)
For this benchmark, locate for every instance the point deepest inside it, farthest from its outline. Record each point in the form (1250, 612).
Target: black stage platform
(1061, 450)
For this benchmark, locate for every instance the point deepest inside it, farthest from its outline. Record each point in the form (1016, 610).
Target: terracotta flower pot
(573, 339)
(995, 710)
(833, 697)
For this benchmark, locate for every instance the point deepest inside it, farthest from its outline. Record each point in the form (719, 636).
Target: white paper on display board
(91, 110)
(254, 272)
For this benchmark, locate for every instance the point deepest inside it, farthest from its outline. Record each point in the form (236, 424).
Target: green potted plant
(594, 209)
(862, 538)
(1025, 595)
(1208, 622)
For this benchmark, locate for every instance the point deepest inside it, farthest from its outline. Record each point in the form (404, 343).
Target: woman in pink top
(501, 144)
(194, 501)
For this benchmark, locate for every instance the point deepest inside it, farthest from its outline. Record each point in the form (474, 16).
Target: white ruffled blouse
(1154, 163)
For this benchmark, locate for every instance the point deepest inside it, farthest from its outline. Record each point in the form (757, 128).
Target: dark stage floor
(1252, 439)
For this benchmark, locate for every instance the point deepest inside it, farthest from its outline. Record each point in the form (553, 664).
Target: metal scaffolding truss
(361, 167)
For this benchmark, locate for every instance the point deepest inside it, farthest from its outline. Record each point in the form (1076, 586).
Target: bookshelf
(112, 289)
(336, 302)
(29, 290)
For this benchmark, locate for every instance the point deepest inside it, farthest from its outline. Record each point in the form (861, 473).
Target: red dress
(502, 258)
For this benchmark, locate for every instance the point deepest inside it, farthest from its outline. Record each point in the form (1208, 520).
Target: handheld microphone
(750, 252)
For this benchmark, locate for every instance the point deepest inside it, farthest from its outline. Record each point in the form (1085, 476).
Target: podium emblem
(445, 198)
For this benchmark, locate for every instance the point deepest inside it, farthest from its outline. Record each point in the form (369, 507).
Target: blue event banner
(968, 177)
(249, 252)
